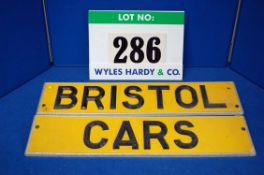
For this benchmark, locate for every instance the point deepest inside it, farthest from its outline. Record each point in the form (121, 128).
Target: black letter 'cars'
(125, 128)
(87, 135)
(181, 131)
(159, 136)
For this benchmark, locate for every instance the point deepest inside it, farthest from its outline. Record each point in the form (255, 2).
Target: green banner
(135, 17)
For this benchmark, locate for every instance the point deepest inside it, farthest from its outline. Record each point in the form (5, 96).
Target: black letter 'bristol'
(137, 96)
(61, 95)
(96, 99)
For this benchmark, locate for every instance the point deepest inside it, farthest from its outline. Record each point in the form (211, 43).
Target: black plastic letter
(206, 102)
(159, 94)
(181, 131)
(97, 98)
(125, 127)
(159, 136)
(137, 96)
(179, 97)
(113, 98)
(61, 95)
(87, 134)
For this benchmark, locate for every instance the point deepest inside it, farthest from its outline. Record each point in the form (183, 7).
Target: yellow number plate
(200, 98)
(140, 136)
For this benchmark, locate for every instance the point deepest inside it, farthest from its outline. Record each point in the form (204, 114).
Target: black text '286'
(137, 55)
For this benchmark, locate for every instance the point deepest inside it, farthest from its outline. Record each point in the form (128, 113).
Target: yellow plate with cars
(140, 136)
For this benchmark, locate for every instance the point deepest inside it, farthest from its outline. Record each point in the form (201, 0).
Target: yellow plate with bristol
(179, 98)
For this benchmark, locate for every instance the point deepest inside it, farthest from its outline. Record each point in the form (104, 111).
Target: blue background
(24, 60)
(248, 56)
(23, 45)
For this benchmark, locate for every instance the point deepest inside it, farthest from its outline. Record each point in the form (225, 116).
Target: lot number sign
(135, 45)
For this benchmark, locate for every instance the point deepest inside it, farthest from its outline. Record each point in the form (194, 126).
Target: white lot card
(136, 45)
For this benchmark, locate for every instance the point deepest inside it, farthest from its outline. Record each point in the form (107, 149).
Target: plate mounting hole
(237, 106)
(228, 88)
(43, 105)
(243, 128)
(37, 126)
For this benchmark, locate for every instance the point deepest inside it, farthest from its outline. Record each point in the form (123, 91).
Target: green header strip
(135, 17)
